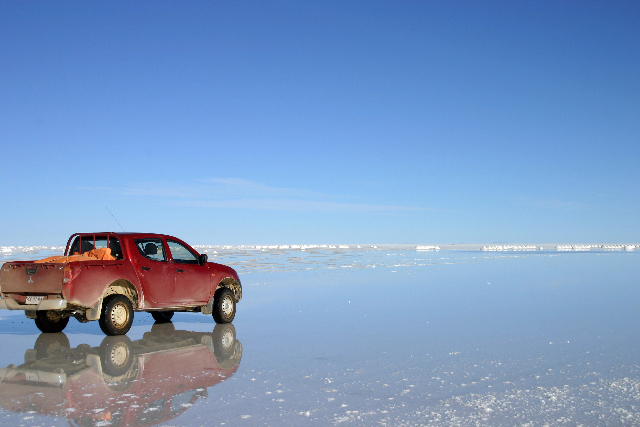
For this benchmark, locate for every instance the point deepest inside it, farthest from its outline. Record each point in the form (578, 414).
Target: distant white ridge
(613, 247)
(12, 250)
(509, 248)
(427, 248)
(575, 247)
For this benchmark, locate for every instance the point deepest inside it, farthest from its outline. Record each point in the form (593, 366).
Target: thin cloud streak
(219, 189)
(245, 187)
(552, 203)
(234, 193)
(296, 205)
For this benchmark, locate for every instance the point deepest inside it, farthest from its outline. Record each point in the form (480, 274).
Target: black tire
(51, 345)
(162, 329)
(49, 321)
(224, 342)
(162, 316)
(117, 315)
(119, 364)
(224, 306)
(116, 355)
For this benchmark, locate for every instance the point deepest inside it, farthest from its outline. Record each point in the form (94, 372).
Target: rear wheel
(224, 306)
(162, 316)
(51, 321)
(119, 364)
(51, 345)
(117, 315)
(116, 355)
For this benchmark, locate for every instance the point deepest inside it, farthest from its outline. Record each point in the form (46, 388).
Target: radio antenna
(115, 219)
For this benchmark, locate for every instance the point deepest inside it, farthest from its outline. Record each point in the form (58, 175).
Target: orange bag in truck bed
(103, 254)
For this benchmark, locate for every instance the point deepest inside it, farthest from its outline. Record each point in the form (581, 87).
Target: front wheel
(51, 321)
(117, 315)
(224, 306)
(224, 344)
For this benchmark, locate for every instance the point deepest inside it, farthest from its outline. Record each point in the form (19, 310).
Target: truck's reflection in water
(120, 383)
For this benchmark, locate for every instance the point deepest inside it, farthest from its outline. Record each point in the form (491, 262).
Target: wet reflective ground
(395, 338)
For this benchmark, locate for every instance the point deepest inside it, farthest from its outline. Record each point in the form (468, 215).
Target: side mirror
(203, 259)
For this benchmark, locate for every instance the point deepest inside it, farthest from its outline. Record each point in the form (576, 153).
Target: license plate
(34, 300)
(31, 376)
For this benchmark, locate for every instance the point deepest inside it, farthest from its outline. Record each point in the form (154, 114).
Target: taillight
(67, 275)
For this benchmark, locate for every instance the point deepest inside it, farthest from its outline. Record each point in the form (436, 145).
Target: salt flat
(366, 336)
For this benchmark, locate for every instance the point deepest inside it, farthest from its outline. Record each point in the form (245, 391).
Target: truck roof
(126, 233)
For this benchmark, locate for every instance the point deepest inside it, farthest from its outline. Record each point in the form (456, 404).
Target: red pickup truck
(107, 276)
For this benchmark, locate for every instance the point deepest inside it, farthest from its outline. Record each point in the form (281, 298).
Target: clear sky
(283, 122)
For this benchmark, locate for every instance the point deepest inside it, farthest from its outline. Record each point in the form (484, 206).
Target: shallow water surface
(392, 338)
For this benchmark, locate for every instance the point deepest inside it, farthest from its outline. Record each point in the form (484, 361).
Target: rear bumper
(48, 304)
(35, 375)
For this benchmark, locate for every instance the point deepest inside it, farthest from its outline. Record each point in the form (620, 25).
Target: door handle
(145, 268)
(180, 271)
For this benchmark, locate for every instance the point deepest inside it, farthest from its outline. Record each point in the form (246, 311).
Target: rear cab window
(86, 243)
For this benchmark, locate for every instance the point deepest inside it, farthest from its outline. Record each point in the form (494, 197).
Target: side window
(152, 414)
(181, 402)
(181, 254)
(151, 249)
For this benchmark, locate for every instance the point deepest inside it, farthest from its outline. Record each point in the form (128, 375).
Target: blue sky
(321, 122)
